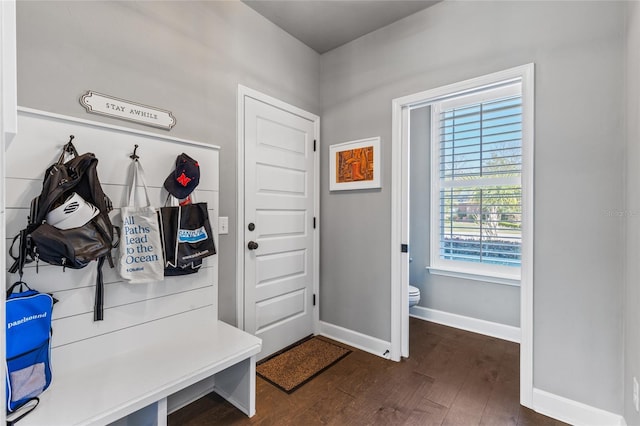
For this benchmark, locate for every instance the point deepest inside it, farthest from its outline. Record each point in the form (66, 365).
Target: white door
(279, 226)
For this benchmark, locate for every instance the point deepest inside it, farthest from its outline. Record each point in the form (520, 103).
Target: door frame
(244, 92)
(400, 215)
(8, 130)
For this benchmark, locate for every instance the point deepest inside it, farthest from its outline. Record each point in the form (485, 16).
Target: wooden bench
(128, 377)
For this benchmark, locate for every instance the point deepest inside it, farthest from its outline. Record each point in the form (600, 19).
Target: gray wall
(476, 299)
(578, 51)
(632, 216)
(187, 57)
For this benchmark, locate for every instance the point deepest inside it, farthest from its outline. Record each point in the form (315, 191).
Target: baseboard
(361, 341)
(573, 412)
(488, 328)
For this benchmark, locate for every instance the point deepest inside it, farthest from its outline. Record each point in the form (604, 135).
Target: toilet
(414, 295)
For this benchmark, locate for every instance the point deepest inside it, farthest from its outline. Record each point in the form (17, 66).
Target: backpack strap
(20, 259)
(21, 283)
(116, 238)
(98, 314)
(17, 261)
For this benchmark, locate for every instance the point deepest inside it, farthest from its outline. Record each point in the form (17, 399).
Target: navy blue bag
(28, 344)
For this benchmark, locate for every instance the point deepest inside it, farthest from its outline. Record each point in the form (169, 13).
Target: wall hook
(69, 147)
(134, 156)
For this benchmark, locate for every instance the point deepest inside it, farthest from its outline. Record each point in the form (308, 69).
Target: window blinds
(480, 163)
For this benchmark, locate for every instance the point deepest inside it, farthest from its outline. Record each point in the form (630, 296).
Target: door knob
(252, 245)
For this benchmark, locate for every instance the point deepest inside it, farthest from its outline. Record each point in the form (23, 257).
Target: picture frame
(355, 165)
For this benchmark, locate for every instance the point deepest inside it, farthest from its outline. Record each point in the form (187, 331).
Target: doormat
(298, 364)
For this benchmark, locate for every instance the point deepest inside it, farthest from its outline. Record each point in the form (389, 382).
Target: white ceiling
(326, 24)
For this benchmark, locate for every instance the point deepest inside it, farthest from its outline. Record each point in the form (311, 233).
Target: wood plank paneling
(34, 149)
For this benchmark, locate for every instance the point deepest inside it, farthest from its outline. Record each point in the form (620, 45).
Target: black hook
(134, 156)
(69, 148)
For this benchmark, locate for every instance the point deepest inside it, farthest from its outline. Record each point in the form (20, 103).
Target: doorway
(401, 108)
(277, 220)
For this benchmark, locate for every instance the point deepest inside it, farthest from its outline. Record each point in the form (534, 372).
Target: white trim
(525, 73)
(8, 80)
(475, 325)
(526, 268)
(316, 214)
(399, 291)
(404, 228)
(8, 130)
(361, 341)
(476, 276)
(243, 92)
(240, 209)
(114, 128)
(425, 97)
(510, 89)
(573, 412)
(316, 240)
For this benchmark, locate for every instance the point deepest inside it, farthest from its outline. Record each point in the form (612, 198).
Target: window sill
(512, 280)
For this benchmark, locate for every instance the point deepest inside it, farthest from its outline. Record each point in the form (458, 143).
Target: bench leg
(237, 384)
(151, 415)
(162, 412)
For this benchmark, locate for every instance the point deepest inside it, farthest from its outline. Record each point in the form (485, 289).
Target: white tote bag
(140, 246)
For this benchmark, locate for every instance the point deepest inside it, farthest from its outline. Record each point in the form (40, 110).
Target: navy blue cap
(184, 179)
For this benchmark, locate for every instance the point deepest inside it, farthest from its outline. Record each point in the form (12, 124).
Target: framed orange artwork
(355, 165)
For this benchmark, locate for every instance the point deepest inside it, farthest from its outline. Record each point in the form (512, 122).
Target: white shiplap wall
(37, 145)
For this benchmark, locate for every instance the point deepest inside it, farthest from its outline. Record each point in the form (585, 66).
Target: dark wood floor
(452, 377)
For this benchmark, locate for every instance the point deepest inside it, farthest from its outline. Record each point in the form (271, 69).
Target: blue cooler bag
(28, 344)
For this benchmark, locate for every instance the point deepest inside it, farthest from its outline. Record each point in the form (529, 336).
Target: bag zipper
(37, 258)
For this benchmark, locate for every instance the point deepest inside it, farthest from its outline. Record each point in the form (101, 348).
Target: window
(476, 205)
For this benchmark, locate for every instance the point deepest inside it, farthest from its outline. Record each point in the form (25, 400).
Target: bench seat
(169, 356)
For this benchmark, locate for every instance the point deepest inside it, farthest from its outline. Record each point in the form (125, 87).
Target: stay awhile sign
(98, 103)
